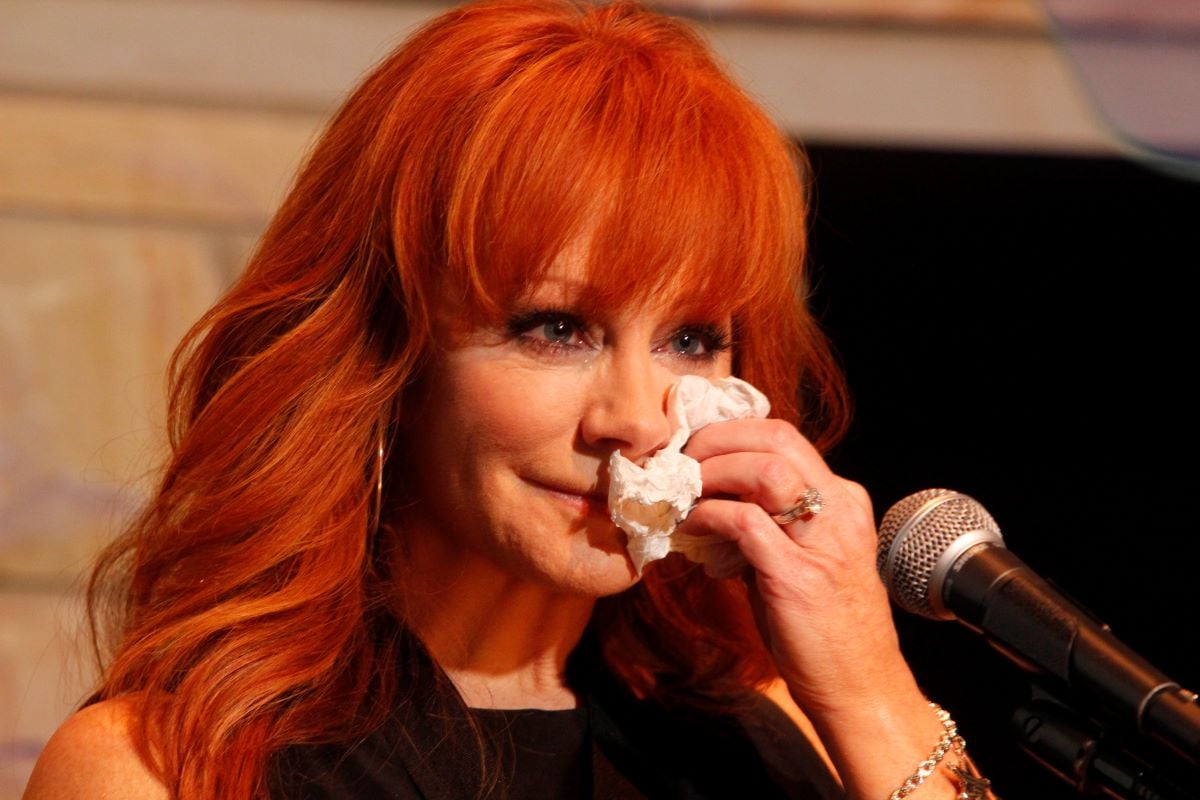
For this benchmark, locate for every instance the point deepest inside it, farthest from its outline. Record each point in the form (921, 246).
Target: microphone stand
(1092, 756)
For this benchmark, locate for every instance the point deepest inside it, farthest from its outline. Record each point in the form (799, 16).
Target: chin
(621, 578)
(604, 568)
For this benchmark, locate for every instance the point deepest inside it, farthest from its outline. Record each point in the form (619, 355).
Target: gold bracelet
(970, 785)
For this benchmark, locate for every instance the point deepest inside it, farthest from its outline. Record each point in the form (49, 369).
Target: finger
(760, 436)
(760, 540)
(770, 480)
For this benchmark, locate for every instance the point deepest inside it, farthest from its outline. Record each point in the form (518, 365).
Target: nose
(626, 406)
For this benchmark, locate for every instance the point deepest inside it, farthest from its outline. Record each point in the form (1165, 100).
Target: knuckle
(782, 434)
(776, 477)
(859, 493)
(747, 518)
(855, 488)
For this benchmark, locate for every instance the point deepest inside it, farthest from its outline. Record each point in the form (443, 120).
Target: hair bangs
(707, 209)
(677, 186)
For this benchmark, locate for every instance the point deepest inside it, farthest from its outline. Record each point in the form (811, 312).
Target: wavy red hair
(251, 597)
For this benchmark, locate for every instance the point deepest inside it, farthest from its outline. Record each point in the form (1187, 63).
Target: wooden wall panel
(921, 72)
(89, 314)
(44, 673)
(303, 53)
(177, 164)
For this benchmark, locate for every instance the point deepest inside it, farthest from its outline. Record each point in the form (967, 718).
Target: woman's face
(511, 441)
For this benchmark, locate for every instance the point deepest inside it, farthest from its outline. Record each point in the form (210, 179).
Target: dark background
(1021, 328)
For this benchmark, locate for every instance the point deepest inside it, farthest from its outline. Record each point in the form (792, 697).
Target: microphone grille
(913, 536)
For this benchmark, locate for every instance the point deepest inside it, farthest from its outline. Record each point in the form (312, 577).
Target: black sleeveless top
(614, 747)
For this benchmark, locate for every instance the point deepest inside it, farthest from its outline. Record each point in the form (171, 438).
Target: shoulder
(792, 754)
(748, 746)
(779, 696)
(92, 755)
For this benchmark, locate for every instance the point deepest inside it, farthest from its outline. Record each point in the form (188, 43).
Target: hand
(822, 609)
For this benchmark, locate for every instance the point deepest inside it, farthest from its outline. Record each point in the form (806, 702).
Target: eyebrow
(558, 286)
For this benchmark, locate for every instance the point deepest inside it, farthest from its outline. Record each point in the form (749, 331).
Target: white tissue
(648, 501)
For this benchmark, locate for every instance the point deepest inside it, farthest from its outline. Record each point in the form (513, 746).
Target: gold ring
(807, 505)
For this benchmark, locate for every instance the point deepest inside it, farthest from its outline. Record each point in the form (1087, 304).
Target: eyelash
(715, 339)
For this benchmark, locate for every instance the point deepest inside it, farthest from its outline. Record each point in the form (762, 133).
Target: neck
(502, 641)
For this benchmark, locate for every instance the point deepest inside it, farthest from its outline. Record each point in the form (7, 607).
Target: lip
(589, 500)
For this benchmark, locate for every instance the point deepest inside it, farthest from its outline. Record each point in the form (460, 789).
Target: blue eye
(559, 331)
(698, 342)
(554, 330)
(689, 343)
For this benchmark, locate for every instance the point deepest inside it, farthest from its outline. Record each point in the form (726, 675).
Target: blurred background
(1006, 221)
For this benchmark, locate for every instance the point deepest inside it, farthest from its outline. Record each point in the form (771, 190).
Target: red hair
(251, 596)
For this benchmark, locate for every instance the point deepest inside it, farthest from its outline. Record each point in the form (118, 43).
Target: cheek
(494, 411)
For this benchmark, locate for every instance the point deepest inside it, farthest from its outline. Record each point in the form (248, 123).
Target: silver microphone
(941, 556)
(921, 538)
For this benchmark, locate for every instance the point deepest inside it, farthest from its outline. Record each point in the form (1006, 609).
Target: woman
(380, 561)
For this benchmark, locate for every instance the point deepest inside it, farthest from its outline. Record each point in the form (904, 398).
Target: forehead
(578, 279)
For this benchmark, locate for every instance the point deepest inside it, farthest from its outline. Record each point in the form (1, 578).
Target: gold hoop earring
(378, 505)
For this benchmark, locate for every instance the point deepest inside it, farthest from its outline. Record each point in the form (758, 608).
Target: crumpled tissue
(648, 501)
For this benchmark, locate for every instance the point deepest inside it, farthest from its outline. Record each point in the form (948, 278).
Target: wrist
(899, 750)
(880, 688)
